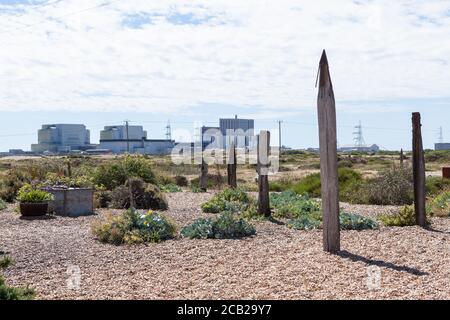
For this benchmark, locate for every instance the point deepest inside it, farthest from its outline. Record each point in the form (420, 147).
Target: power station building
(240, 130)
(132, 139)
(441, 146)
(62, 138)
(234, 129)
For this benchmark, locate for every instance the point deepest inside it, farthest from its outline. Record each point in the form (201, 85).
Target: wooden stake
(232, 167)
(204, 176)
(402, 158)
(328, 159)
(263, 149)
(418, 171)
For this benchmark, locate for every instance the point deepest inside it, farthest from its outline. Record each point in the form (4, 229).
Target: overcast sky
(91, 61)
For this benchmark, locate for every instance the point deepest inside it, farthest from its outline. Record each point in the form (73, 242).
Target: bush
(234, 200)
(226, 226)
(181, 181)
(170, 188)
(213, 181)
(440, 205)
(349, 221)
(145, 196)
(133, 227)
(5, 262)
(2, 205)
(10, 293)
(290, 205)
(437, 156)
(113, 175)
(199, 229)
(406, 217)
(435, 185)
(102, 199)
(27, 194)
(304, 223)
(311, 184)
(392, 187)
(11, 183)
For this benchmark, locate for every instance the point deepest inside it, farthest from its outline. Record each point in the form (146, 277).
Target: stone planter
(28, 209)
(72, 202)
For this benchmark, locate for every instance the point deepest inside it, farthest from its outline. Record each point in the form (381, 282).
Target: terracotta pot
(33, 209)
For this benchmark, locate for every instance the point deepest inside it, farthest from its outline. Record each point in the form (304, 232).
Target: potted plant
(33, 202)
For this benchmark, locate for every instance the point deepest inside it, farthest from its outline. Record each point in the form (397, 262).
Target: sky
(99, 62)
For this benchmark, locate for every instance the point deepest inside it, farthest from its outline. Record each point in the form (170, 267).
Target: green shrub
(55, 180)
(349, 221)
(199, 229)
(226, 226)
(28, 194)
(133, 227)
(11, 183)
(213, 181)
(392, 187)
(2, 205)
(311, 184)
(5, 262)
(10, 293)
(440, 205)
(304, 223)
(233, 200)
(437, 156)
(435, 185)
(170, 188)
(144, 196)
(406, 217)
(290, 205)
(112, 175)
(102, 199)
(181, 181)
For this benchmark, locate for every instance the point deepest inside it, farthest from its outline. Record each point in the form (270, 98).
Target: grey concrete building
(441, 146)
(115, 138)
(62, 138)
(240, 130)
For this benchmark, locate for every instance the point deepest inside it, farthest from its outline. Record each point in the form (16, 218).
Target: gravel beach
(277, 263)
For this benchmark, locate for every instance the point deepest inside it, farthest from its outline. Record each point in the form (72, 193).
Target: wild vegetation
(12, 293)
(225, 226)
(133, 227)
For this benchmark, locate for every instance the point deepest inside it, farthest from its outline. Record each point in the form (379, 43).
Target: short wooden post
(203, 176)
(402, 158)
(418, 170)
(232, 167)
(328, 159)
(263, 149)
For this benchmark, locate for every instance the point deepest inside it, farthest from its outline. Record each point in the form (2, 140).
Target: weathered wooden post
(232, 167)
(418, 171)
(203, 176)
(263, 149)
(328, 159)
(402, 158)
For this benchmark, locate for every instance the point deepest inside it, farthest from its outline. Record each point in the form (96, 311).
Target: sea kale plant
(225, 226)
(133, 227)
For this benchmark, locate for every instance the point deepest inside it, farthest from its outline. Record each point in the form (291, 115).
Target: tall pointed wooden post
(232, 167)
(418, 171)
(263, 150)
(328, 159)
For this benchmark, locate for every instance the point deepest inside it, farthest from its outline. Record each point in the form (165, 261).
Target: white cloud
(242, 53)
